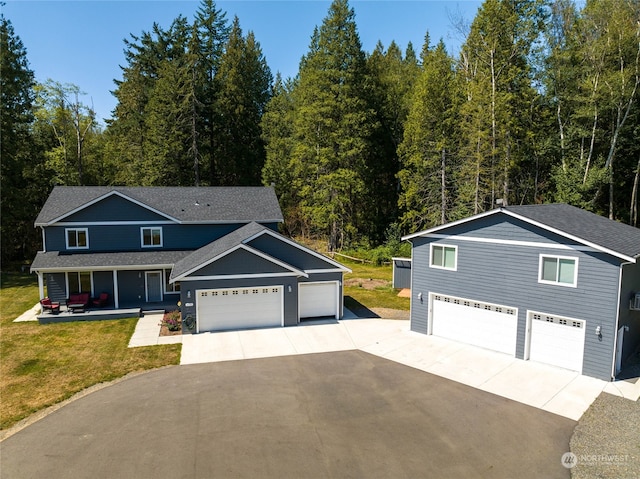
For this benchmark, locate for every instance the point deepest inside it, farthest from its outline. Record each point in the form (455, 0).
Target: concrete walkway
(147, 332)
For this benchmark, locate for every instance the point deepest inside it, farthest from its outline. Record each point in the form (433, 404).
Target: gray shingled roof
(584, 225)
(211, 250)
(53, 260)
(185, 204)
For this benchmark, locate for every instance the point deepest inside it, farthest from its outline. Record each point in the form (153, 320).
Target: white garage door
(239, 308)
(318, 299)
(481, 324)
(556, 340)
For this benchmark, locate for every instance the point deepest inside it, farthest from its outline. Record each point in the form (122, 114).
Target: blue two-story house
(217, 250)
(549, 283)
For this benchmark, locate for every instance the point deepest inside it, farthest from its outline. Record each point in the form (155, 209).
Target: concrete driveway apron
(552, 389)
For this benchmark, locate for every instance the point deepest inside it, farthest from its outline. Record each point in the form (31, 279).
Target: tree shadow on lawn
(358, 308)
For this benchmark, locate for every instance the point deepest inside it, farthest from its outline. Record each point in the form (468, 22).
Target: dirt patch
(387, 313)
(367, 283)
(404, 293)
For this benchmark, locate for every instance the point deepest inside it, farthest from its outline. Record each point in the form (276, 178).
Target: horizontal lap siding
(128, 237)
(240, 262)
(508, 275)
(288, 253)
(114, 208)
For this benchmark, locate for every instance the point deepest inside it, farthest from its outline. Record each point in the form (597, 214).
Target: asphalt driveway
(335, 415)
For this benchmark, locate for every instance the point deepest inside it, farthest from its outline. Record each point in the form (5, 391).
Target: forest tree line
(540, 105)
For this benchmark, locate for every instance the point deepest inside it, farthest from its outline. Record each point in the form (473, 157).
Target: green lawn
(370, 286)
(45, 364)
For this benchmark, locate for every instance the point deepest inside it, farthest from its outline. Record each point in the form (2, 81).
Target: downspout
(617, 325)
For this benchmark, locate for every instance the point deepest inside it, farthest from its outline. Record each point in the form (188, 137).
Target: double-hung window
(444, 257)
(151, 237)
(559, 270)
(77, 238)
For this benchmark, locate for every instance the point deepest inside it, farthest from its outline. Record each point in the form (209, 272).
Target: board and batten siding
(401, 273)
(508, 275)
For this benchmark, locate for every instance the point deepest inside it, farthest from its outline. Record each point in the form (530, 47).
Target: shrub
(172, 321)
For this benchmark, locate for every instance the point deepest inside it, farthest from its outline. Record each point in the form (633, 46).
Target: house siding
(56, 286)
(630, 285)
(128, 238)
(131, 288)
(103, 283)
(290, 254)
(240, 262)
(508, 275)
(114, 208)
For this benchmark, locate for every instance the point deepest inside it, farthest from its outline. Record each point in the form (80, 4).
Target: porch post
(40, 285)
(116, 299)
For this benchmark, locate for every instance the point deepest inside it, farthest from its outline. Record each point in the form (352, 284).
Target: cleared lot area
(342, 414)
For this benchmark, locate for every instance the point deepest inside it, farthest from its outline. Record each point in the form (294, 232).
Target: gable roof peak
(574, 223)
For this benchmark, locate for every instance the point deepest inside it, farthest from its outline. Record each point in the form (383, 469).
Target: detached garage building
(255, 277)
(548, 283)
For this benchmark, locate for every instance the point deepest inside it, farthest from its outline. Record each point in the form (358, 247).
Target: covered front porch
(97, 314)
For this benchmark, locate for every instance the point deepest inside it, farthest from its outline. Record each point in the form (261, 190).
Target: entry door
(153, 286)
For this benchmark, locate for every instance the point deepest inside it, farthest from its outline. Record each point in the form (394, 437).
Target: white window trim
(455, 248)
(143, 229)
(66, 237)
(557, 282)
(165, 277)
(66, 279)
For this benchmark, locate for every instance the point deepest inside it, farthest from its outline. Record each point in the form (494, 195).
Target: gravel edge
(606, 441)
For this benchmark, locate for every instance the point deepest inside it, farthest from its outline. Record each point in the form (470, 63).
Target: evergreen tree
(332, 130)
(393, 78)
(428, 151)
(168, 115)
(277, 134)
(19, 200)
(213, 33)
(244, 80)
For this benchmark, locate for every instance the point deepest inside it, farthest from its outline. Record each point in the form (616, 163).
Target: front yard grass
(45, 364)
(371, 286)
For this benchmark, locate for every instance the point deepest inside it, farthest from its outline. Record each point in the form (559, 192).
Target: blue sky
(81, 42)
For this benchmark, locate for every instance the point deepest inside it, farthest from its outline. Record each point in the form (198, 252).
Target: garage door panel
(479, 324)
(318, 299)
(556, 340)
(239, 308)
